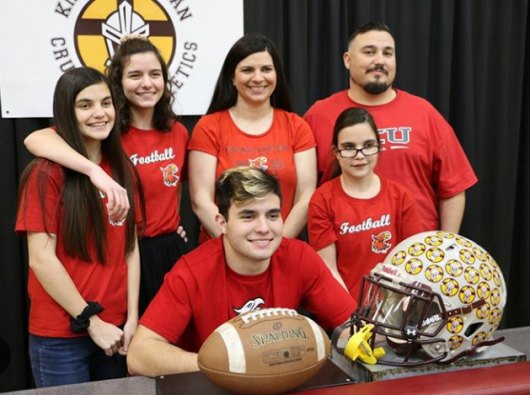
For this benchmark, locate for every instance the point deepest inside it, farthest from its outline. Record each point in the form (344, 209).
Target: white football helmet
(436, 292)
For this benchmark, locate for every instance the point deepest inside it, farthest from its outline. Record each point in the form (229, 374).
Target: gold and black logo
(97, 27)
(102, 24)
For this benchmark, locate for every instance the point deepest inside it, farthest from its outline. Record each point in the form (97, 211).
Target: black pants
(157, 256)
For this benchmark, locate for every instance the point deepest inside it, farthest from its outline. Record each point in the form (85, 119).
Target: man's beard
(375, 88)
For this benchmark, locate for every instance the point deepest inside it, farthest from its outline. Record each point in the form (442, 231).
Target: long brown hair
(163, 116)
(225, 94)
(83, 214)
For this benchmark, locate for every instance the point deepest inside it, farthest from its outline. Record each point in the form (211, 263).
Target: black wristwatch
(82, 321)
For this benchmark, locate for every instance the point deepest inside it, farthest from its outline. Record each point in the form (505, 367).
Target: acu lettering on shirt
(395, 135)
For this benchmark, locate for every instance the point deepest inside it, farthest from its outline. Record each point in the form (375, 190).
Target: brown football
(264, 352)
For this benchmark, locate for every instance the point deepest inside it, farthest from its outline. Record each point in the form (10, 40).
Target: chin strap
(465, 310)
(472, 351)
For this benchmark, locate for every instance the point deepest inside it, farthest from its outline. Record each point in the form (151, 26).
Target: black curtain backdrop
(470, 58)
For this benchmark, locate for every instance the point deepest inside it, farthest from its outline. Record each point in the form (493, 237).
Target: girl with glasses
(358, 216)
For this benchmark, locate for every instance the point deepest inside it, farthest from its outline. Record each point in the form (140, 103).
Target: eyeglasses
(352, 152)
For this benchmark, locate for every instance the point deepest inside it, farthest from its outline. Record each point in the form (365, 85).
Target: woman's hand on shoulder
(117, 199)
(182, 233)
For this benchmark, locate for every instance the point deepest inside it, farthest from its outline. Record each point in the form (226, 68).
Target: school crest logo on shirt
(259, 163)
(169, 174)
(380, 243)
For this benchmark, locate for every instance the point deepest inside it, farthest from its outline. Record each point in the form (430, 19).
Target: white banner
(40, 39)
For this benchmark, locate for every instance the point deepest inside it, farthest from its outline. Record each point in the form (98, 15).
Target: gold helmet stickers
(417, 249)
(466, 279)
(434, 273)
(454, 267)
(398, 258)
(455, 324)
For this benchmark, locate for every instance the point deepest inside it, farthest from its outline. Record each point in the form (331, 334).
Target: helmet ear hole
(451, 247)
(402, 347)
(471, 329)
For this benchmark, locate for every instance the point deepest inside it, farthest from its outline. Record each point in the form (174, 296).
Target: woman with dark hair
(250, 123)
(155, 143)
(84, 265)
(356, 218)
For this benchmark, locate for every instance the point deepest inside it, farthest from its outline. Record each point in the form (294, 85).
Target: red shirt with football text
(105, 283)
(363, 230)
(201, 292)
(159, 159)
(419, 148)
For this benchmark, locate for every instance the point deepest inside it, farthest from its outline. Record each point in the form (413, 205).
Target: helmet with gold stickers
(437, 297)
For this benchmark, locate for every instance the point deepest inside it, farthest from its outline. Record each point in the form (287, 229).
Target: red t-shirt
(419, 148)
(363, 230)
(201, 292)
(159, 159)
(217, 134)
(104, 283)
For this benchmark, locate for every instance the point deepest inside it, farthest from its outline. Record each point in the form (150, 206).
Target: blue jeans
(60, 361)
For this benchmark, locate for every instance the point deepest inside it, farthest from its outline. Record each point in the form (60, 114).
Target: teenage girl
(84, 265)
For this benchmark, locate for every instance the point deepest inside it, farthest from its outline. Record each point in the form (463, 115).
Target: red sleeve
(205, 135)
(321, 119)
(182, 137)
(453, 173)
(169, 313)
(319, 219)
(33, 214)
(303, 136)
(324, 297)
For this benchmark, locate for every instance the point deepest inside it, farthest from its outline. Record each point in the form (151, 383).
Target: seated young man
(250, 266)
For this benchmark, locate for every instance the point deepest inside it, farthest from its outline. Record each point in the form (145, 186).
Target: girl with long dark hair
(84, 272)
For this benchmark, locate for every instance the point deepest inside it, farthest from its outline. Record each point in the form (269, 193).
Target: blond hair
(241, 184)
